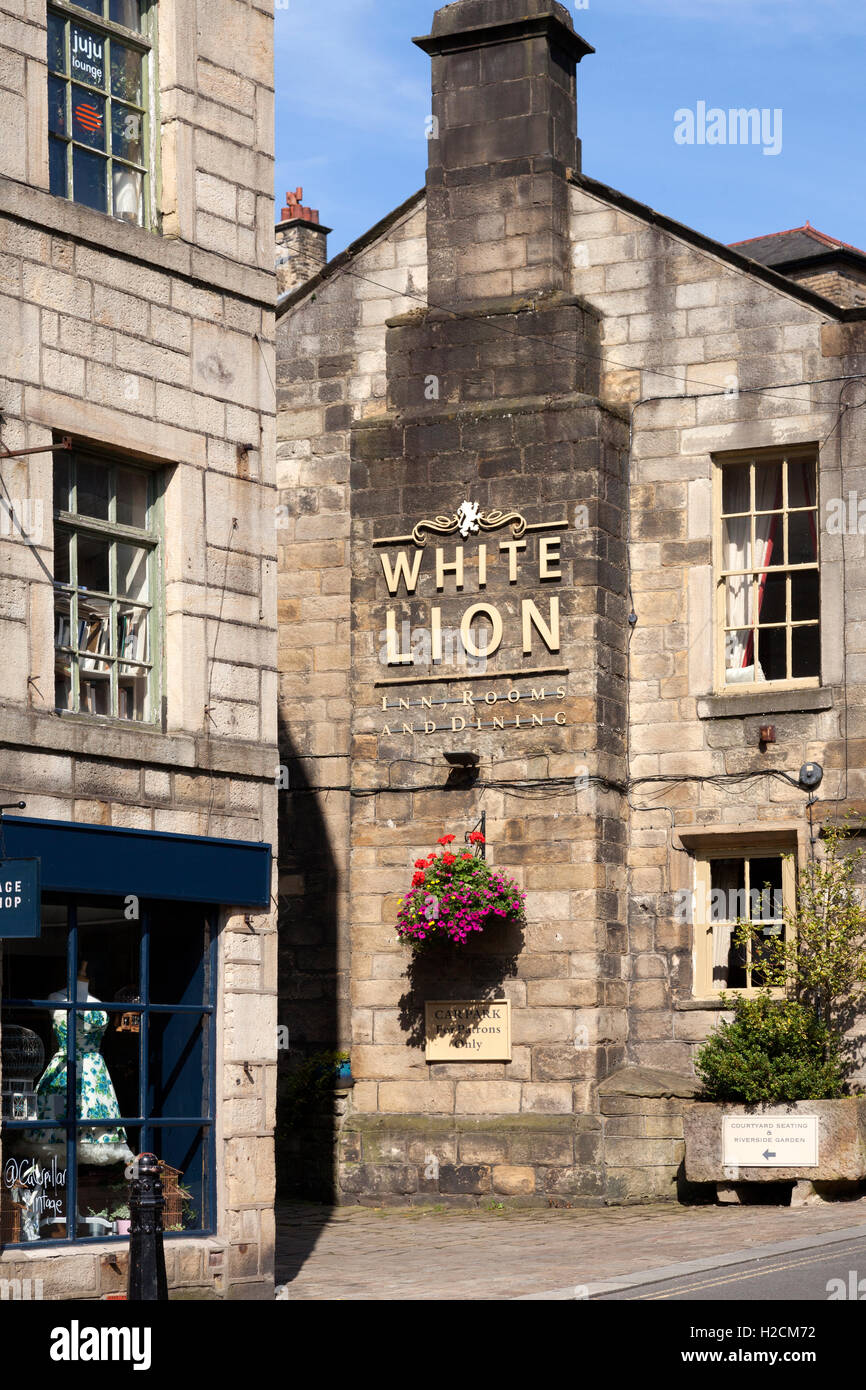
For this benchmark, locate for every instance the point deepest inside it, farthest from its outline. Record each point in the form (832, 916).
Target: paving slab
(397, 1254)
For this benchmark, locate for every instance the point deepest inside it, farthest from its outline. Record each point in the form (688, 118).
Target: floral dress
(96, 1097)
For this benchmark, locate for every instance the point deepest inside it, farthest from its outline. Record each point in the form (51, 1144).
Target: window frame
(145, 43)
(114, 533)
(142, 1123)
(704, 987)
(760, 456)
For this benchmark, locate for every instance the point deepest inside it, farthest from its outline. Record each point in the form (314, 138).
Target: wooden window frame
(720, 574)
(144, 42)
(704, 987)
(114, 533)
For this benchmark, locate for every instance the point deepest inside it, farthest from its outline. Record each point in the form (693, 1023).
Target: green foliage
(771, 1051)
(821, 961)
(306, 1087)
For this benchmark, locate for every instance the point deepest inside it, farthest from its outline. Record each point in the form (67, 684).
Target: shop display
(96, 1097)
(23, 1058)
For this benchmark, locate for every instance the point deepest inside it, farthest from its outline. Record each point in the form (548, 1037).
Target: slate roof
(798, 244)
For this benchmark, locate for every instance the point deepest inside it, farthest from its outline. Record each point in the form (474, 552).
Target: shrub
(771, 1051)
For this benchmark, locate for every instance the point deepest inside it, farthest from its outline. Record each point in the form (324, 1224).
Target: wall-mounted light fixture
(464, 769)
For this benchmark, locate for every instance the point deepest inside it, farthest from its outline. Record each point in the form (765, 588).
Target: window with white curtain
(734, 887)
(767, 569)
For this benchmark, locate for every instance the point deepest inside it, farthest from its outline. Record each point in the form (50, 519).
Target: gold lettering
(436, 633)
(408, 728)
(537, 720)
(395, 656)
(532, 619)
(468, 697)
(513, 696)
(482, 566)
(393, 574)
(548, 554)
(426, 702)
(560, 692)
(403, 704)
(429, 726)
(489, 611)
(386, 730)
(458, 723)
(559, 717)
(539, 694)
(498, 721)
(454, 567)
(512, 548)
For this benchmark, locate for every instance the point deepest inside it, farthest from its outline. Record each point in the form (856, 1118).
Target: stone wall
(159, 345)
(331, 368)
(606, 378)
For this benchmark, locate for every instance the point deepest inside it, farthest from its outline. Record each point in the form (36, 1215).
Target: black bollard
(147, 1281)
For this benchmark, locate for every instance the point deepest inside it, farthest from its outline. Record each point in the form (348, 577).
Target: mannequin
(96, 1097)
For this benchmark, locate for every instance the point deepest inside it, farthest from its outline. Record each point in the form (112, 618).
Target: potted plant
(122, 1220)
(453, 897)
(775, 1075)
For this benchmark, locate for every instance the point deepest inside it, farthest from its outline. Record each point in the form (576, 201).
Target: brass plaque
(468, 1030)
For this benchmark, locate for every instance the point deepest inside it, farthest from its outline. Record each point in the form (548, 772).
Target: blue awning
(98, 859)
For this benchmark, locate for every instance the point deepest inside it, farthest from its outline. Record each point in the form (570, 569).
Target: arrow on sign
(767, 1154)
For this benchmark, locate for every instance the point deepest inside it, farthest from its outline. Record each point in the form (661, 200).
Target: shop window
(767, 573)
(106, 584)
(730, 889)
(100, 67)
(107, 1052)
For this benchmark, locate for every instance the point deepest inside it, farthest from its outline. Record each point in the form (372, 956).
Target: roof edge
(706, 243)
(333, 267)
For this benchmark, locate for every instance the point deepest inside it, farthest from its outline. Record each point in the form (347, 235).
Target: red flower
(417, 879)
(445, 840)
(476, 838)
(449, 858)
(431, 859)
(467, 855)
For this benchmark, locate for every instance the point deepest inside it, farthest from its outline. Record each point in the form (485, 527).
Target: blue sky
(353, 97)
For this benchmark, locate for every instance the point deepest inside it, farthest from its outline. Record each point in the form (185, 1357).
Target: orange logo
(89, 117)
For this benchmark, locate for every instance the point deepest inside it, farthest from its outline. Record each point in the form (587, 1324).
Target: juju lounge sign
(403, 568)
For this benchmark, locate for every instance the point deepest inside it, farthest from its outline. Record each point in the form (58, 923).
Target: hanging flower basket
(454, 897)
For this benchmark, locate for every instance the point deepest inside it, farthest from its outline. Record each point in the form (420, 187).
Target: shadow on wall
(446, 971)
(308, 988)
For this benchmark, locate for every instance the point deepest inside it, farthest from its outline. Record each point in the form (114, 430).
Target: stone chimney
(301, 244)
(504, 138)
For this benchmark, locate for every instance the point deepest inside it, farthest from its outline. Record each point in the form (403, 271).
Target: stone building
(527, 406)
(138, 622)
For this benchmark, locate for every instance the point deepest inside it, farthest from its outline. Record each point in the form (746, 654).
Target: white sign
(770, 1141)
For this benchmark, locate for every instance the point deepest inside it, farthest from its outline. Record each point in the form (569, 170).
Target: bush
(771, 1051)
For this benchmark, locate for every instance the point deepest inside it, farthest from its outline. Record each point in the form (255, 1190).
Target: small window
(106, 552)
(119, 1015)
(758, 888)
(99, 139)
(767, 570)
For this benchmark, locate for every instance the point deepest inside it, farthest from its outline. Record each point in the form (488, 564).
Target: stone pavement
(417, 1253)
